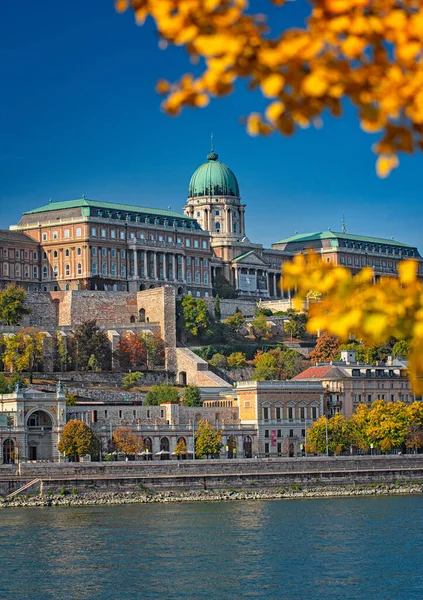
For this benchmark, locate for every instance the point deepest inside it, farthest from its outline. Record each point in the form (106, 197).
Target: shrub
(237, 360)
(219, 360)
(130, 380)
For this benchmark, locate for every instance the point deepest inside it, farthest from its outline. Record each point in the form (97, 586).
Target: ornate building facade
(86, 244)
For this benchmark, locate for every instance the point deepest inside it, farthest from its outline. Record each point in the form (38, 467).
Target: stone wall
(80, 379)
(229, 307)
(193, 370)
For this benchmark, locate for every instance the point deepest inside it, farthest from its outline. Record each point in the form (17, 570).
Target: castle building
(87, 244)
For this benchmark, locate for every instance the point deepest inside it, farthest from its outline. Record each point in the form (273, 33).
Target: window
(342, 260)
(198, 214)
(55, 271)
(197, 262)
(217, 212)
(302, 413)
(369, 397)
(44, 255)
(17, 253)
(266, 433)
(266, 412)
(205, 262)
(55, 235)
(55, 254)
(291, 433)
(349, 260)
(44, 237)
(67, 233)
(114, 269)
(120, 414)
(105, 414)
(197, 277)
(67, 269)
(35, 255)
(122, 271)
(94, 251)
(290, 413)
(104, 252)
(234, 227)
(35, 273)
(103, 233)
(189, 277)
(187, 243)
(17, 270)
(78, 251)
(198, 294)
(206, 294)
(122, 235)
(113, 234)
(45, 272)
(79, 268)
(278, 412)
(206, 279)
(67, 252)
(78, 232)
(314, 412)
(94, 231)
(217, 227)
(160, 238)
(179, 240)
(95, 268)
(196, 245)
(122, 253)
(104, 269)
(188, 261)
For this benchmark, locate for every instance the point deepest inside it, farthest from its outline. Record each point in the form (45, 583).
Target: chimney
(348, 357)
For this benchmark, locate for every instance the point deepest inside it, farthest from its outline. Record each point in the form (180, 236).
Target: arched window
(55, 254)
(67, 252)
(217, 227)
(67, 269)
(55, 271)
(79, 268)
(114, 269)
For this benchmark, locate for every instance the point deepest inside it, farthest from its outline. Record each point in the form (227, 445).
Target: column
(184, 278)
(228, 226)
(165, 277)
(242, 224)
(174, 268)
(155, 265)
(236, 278)
(135, 264)
(146, 274)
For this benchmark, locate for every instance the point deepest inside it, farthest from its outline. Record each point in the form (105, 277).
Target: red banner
(273, 437)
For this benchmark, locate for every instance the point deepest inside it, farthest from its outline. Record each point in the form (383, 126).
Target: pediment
(250, 258)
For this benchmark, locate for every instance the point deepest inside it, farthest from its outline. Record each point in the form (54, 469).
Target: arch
(182, 378)
(142, 287)
(148, 448)
(231, 446)
(182, 439)
(291, 450)
(39, 427)
(8, 451)
(141, 315)
(164, 448)
(132, 319)
(40, 417)
(180, 291)
(248, 447)
(151, 287)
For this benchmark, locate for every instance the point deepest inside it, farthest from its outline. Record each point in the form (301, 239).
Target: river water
(352, 549)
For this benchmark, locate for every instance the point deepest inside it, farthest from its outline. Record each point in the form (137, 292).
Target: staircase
(23, 488)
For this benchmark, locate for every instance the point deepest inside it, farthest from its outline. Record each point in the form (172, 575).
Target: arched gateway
(39, 425)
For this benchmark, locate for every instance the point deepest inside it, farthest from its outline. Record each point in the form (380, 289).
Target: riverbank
(146, 496)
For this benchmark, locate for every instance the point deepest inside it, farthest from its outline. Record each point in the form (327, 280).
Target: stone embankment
(144, 496)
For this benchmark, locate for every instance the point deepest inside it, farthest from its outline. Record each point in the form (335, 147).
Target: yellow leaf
(315, 84)
(407, 270)
(274, 111)
(272, 85)
(385, 164)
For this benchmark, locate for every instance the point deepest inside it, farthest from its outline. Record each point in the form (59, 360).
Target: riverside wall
(215, 474)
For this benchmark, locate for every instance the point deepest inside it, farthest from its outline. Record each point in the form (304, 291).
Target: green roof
(213, 178)
(334, 235)
(85, 202)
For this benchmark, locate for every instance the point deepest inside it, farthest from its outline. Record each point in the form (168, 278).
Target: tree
(181, 448)
(23, 351)
(160, 394)
(219, 360)
(155, 348)
(235, 321)
(195, 315)
(217, 310)
(366, 53)
(77, 440)
(266, 367)
(260, 327)
(326, 348)
(70, 399)
(223, 288)
(131, 351)
(91, 347)
(401, 349)
(62, 356)
(237, 360)
(355, 305)
(125, 441)
(192, 396)
(12, 305)
(208, 440)
(131, 380)
(338, 432)
(296, 324)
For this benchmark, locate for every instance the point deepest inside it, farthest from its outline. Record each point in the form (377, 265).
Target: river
(346, 548)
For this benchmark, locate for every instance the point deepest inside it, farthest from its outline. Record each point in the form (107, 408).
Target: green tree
(260, 327)
(208, 440)
(266, 367)
(235, 321)
(217, 310)
(237, 360)
(77, 440)
(401, 349)
(295, 326)
(131, 380)
(339, 433)
(90, 341)
(326, 348)
(70, 399)
(12, 305)
(159, 394)
(23, 351)
(155, 348)
(195, 315)
(219, 360)
(192, 396)
(61, 353)
(222, 287)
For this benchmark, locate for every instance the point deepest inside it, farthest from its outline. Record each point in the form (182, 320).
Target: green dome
(213, 178)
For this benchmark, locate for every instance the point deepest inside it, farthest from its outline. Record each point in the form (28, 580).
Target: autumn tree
(195, 315)
(159, 394)
(326, 348)
(91, 347)
(235, 321)
(261, 328)
(266, 367)
(339, 435)
(237, 360)
(208, 440)
(181, 448)
(23, 351)
(278, 363)
(125, 441)
(401, 349)
(219, 360)
(367, 53)
(131, 351)
(155, 348)
(192, 396)
(77, 440)
(12, 305)
(61, 352)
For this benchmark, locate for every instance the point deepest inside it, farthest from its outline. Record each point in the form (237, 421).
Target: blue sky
(79, 114)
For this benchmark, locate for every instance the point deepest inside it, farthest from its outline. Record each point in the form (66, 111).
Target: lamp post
(327, 437)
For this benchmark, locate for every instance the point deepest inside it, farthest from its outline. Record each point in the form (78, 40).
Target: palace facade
(87, 244)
